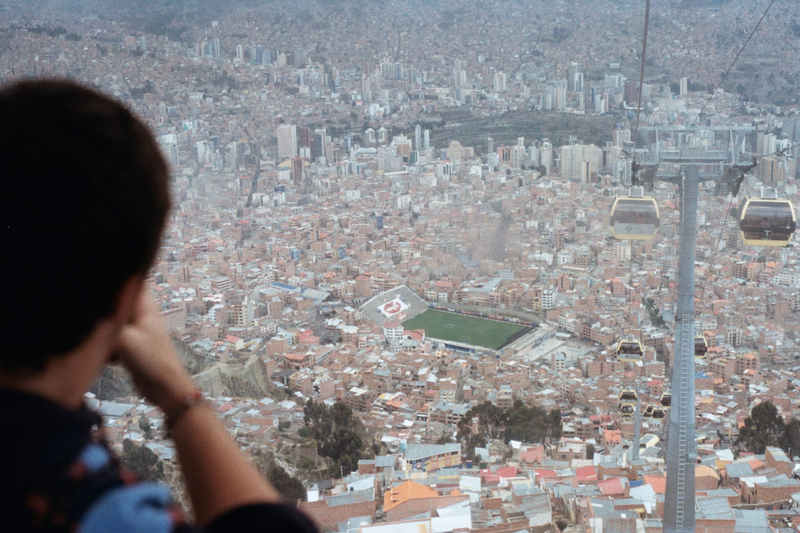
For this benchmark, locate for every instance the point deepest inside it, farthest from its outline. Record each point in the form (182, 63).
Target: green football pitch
(464, 329)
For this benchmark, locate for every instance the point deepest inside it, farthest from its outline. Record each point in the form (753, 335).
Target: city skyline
(405, 208)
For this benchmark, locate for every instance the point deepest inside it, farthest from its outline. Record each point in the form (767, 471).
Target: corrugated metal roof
(417, 452)
(751, 521)
(713, 509)
(738, 470)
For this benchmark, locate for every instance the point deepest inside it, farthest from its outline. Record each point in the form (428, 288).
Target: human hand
(146, 351)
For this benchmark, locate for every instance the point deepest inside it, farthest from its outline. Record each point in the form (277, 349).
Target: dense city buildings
(404, 209)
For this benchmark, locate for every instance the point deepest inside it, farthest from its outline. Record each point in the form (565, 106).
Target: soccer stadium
(454, 330)
(459, 330)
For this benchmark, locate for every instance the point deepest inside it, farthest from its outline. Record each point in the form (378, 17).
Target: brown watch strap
(176, 412)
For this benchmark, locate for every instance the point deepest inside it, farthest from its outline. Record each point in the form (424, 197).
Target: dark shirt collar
(41, 437)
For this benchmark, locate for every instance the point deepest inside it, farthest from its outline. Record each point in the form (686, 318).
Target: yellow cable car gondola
(634, 217)
(658, 413)
(626, 409)
(700, 347)
(666, 399)
(767, 221)
(628, 396)
(630, 350)
(648, 411)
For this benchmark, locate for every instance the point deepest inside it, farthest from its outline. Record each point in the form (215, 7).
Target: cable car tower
(687, 156)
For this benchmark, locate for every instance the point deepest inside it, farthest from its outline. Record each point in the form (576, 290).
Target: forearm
(218, 475)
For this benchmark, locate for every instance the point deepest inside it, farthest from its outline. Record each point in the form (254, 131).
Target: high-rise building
(287, 140)
(548, 299)
(546, 156)
(631, 92)
(765, 143)
(580, 161)
(303, 137)
(519, 155)
(459, 74)
(366, 89)
(418, 137)
(533, 155)
(383, 135)
(773, 170)
(426, 139)
(684, 87)
(574, 78)
(499, 82)
(297, 171)
(319, 142)
(599, 100)
(621, 136)
(560, 95)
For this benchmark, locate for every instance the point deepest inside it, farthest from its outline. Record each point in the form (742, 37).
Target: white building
(393, 332)
(500, 82)
(546, 156)
(287, 141)
(580, 161)
(548, 299)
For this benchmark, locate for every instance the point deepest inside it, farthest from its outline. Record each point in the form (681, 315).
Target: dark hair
(84, 201)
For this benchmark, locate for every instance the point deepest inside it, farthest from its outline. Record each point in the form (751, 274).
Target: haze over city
(429, 260)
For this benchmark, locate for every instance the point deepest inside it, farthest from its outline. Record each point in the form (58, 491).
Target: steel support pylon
(637, 425)
(679, 501)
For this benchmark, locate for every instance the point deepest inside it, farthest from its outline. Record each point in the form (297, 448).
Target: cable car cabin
(658, 413)
(634, 218)
(630, 350)
(648, 411)
(626, 409)
(666, 399)
(628, 396)
(766, 222)
(700, 347)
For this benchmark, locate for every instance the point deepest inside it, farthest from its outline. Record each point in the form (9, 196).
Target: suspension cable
(747, 41)
(741, 49)
(722, 227)
(641, 67)
(722, 80)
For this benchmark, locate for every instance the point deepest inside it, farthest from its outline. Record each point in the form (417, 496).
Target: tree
(554, 423)
(791, 441)
(338, 434)
(491, 421)
(444, 438)
(290, 487)
(764, 427)
(146, 427)
(518, 422)
(528, 424)
(655, 315)
(142, 461)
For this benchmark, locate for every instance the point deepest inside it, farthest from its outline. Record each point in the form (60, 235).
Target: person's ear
(128, 300)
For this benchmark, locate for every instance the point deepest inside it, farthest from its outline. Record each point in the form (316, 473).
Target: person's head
(84, 202)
